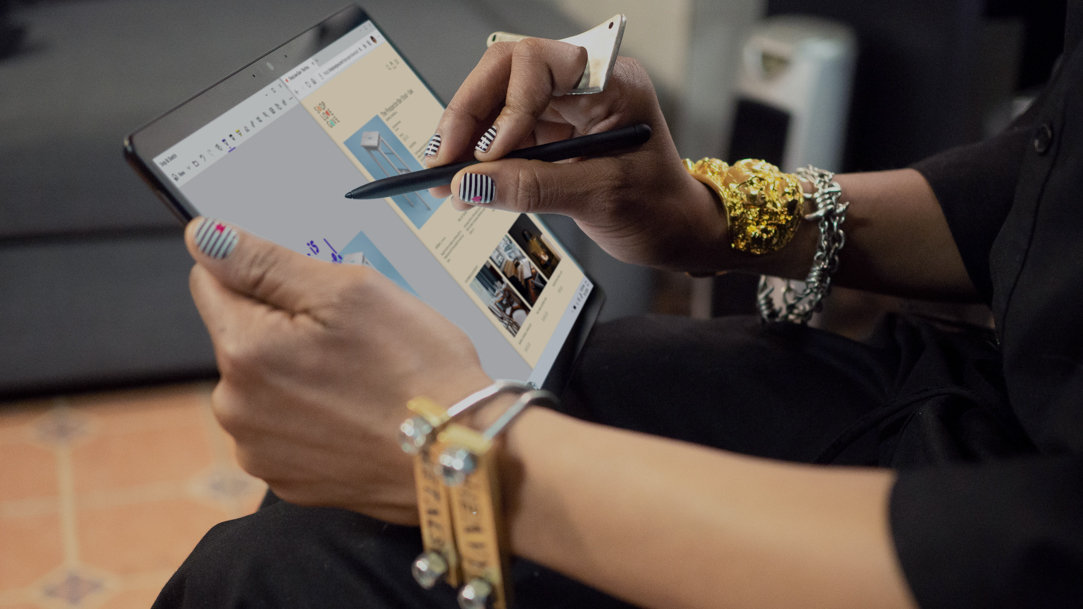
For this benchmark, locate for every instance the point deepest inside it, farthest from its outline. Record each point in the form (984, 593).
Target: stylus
(586, 145)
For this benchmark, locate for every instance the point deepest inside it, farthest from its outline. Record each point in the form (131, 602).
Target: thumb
(254, 267)
(538, 186)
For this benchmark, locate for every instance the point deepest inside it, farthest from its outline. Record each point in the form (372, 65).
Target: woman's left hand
(317, 363)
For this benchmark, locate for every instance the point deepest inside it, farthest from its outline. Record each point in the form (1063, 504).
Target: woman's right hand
(640, 204)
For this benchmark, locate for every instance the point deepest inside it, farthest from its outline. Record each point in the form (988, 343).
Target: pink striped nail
(477, 189)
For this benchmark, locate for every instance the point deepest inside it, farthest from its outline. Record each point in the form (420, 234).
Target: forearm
(667, 524)
(897, 241)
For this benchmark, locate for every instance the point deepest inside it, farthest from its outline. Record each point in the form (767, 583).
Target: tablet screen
(278, 160)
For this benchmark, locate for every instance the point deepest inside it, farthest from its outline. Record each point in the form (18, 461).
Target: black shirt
(1008, 532)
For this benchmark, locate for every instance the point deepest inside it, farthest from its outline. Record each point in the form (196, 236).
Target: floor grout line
(66, 480)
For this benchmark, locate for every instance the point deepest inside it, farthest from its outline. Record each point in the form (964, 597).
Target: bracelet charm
(478, 517)
(438, 560)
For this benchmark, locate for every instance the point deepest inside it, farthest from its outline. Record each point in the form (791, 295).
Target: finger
(544, 132)
(228, 315)
(440, 192)
(540, 70)
(495, 109)
(254, 267)
(472, 109)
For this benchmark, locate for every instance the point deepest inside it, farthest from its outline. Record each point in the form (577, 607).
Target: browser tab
(304, 79)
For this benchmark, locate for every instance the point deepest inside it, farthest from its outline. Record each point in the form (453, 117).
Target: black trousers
(912, 396)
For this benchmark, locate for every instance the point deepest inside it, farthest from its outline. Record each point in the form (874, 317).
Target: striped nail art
(477, 189)
(215, 239)
(434, 145)
(486, 140)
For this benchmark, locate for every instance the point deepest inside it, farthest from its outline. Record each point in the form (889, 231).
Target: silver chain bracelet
(830, 212)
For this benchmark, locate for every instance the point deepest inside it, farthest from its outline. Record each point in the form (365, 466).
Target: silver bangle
(830, 212)
(417, 432)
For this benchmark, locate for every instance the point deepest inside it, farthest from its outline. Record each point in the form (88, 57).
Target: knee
(287, 552)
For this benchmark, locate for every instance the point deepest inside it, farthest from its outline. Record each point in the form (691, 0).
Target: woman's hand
(317, 363)
(640, 205)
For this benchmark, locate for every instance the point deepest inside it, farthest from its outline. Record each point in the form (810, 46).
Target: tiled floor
(102, 496)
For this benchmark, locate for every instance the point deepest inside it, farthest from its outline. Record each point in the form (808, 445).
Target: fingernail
(477, 189)
(486, 140)
(215, 239)
(434, 145)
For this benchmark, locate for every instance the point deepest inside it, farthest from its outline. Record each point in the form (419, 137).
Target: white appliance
(793, 92)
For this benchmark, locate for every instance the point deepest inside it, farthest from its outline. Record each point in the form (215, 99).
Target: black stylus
(586, 145)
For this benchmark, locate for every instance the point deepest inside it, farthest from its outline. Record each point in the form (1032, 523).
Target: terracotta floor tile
(230, 488)
(113, 461)
(31, 548)
(27, 471)
(133, 597)
(139, 409)
(225, 446)
(73, 586)
(142, 537)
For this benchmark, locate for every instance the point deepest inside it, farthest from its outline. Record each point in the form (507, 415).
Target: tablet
(274, 147)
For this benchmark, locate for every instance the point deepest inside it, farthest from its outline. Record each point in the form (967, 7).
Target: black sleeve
(975, 185)
(1006, 534)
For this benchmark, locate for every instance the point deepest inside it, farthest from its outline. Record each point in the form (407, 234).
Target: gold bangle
(762, 204)
(459, 502)
(468, 467)
(418, 436)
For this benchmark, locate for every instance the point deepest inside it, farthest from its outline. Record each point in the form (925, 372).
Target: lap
(785, 392)
(914, 395)
(286, 555)
(778, 391)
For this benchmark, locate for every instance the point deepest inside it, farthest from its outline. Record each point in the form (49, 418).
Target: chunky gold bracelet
(762, 204)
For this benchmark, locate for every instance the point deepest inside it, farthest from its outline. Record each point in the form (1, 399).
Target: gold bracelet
(468, 467)
(439, 559)
(762, 204)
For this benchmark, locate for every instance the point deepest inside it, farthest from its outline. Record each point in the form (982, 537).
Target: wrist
(530, 458)
(711, 254)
